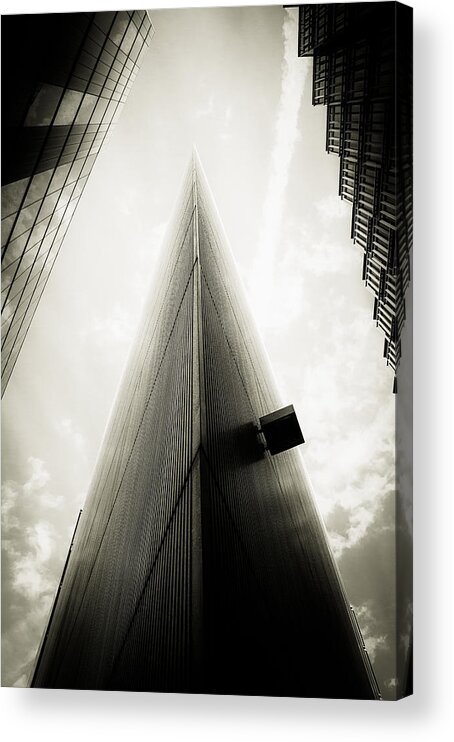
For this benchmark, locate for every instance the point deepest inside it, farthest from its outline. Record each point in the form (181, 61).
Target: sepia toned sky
(229, 81)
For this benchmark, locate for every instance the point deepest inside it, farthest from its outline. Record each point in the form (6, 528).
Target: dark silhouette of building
(362, 73)
(200, 563)
(66, 77)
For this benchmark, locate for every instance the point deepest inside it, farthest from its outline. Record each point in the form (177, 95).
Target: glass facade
(362, 73)
(67, 78)
(200, 563)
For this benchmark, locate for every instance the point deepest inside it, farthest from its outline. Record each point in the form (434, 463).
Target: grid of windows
(61, 104)
(360, 74)
(200, 563)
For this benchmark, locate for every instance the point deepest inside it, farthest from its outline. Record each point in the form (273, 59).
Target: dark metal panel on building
(200, 563)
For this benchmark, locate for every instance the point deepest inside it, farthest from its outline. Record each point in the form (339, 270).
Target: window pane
(12, 194)
(86, 109)
(26, 218)
(75, 171)
(14, 251)
(44, 105)
(38, 186)
(59, 177)
(49, 204)
(68, 108)
(88, 165)
(99, 111)
(65, 195)
(38, 231)
(104, 20)
(119, 28)
(129, 38)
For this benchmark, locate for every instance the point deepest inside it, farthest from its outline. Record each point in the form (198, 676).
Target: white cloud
(332, 207)
(207, 110)
(294, 75)
(115, 329)
(39, 476)
(68, 431)
(33, 550)
(374, 643)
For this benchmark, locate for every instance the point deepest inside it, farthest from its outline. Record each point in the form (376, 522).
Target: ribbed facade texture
(362, 73)
(67, 78)
(200, 563)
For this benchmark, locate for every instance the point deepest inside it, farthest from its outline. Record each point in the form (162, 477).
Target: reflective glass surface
(51, 151)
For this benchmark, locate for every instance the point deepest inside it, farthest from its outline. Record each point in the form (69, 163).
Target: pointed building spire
(200, 563)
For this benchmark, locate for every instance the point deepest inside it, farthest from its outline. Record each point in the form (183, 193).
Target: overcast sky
(229, 81)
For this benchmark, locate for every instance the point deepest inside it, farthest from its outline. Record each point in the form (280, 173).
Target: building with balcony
(362, 73)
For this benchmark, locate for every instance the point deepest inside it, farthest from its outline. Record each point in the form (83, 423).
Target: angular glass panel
(94, 89)
(7, 316)
(119, 28)
(117, 113)
(48, 241)
(88, 165)
(109, 85)
(7, 224)
(45, 104)
(97, 35)
(107, 57)
(86, 109)
(38, 187)
(75, 171)
(66, 195)
(111, 108)
(29, 289)
(56, 218)
(77, 83)
(99, 111)
(104, 20)
(92, 47)
(88, 138)
(111, 48)
(49, 204)
(129, 38)
(68, 108)
(38, 268)
(117, 66)
(79, 187)
(26, 219)
(137, 46)
(28, 258)
(102, 68)
(12, 195)
(114, 75)
(71, 208)
(39, 230)
(59, 177)
(7, 279)
(17, 285)
(14, 250)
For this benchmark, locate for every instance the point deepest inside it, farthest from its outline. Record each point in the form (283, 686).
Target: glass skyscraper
(66, 78)
(200, 562)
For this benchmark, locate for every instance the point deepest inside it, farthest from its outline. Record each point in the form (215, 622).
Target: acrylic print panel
(237, 269)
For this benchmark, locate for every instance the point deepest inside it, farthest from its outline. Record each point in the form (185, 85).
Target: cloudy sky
(230, 82)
